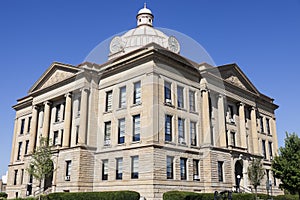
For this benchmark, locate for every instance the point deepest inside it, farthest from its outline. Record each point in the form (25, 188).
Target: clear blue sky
(262, 37)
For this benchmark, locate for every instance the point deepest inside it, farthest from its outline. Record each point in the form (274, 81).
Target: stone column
(254, 130)
(83, 116)
(221, 119)
(13, 149)
(242, 125)
(33, 129)
(46, 122)
(206, 117)
(274, 135)
(67, 121)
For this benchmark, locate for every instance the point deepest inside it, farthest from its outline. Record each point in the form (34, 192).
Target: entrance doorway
(238, 174)
(48, 180)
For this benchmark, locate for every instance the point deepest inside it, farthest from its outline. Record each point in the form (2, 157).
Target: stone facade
(149, 121)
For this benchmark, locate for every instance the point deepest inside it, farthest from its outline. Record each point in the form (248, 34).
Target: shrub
(3, 195)
(114, 195)
(286, 197)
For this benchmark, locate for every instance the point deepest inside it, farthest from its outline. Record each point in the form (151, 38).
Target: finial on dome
(144, 16)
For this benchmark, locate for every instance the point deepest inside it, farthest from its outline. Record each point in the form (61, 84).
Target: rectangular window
(230, 113)
(107, 133)
(22, 176)
(274, 180)
(68, 170)
(16, 177)
(136, 128)
(79, 104)
(270, 150)
(121, 131)
(183, 168)
(29, 124)
(22, 126)
(264, 149)
(268, 126)
(168, 128)
(232, 138)
(104, 169)
(261, 122)
(137, 93)
(134, 167)
(108, 105)
(119, 168)
(220, 171)
(196, 175)
(122, 98)
(193, 133)
(19, 151)
(181, 138)
(26, 147)
(55, 138)
(180, 97)
(192, 100)
(168, 98)
(77, 134)
(170, 167)
(57, 113)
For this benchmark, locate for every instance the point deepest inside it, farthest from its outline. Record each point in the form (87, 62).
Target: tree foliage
(41, 165)
(256, 173)
(286, 166)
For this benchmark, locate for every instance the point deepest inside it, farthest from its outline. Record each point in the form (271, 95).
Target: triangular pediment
(233, 74)
(56, 73)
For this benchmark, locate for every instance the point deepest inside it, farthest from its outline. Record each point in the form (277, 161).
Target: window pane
(168, 128)
(107, 133)
(192, 100)
(181, 130)
(183, 168)
(108, 101)
(169, 167)
(22, 126)
(104, 169)
(167, 92)
(121, 133)
(119, 168)
(220, 171)
(264, 149)
(135, 167)
(122, 97)
(136, 127)
(196, 175)
(137, 93)
(180, 102)
(193, 133)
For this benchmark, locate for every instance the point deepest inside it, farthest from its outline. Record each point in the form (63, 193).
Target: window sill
(135, 142)
(170, 142)
(58, 122)
(194, 112)
(136, 104)
(122, 108)
(169, 105)
(106, 112)
(180, 108)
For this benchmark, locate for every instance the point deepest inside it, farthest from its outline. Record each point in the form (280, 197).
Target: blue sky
(262, 37)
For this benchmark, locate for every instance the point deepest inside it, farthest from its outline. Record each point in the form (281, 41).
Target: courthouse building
(147, 120)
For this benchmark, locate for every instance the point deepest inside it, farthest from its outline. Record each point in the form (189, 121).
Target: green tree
(41, 165)
(256, 173)
(286, 166)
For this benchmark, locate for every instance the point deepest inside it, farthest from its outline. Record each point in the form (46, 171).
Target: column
(242, 125)
(205, 117)
(83, 116)
(46, 122)
(221, 119)
(13, 149)
(67, 121)
(254, 137)
(274, 135)
(33, 129)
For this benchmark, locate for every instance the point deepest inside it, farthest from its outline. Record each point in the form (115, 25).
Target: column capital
(69, 94)
(241, 104)
(84, 89)
(47, 103)
(221, 96)
(253, 108)
(35, 107)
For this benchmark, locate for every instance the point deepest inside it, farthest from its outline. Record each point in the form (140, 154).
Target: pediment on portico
(56, 73)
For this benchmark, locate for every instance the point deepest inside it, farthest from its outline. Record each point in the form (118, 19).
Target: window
(78, 107)
(168, 128)
(181, 130)
(15, 177)
(68, 170)
(30, 175)
(119, 168)
(26, 147)
(19, 151)
(261, 121)
(264, 149)
(77, 134)
(196, 175)
(268, 126)
(57, 113)
(274, 180)
(22, 176)
(230, 113)
(270, 150)
(192, 100)
(104, 169)
(168, 93)
(193, 133)
(122, 98)
(137, 93)
(22, 126)
(29, 123)
(183, 168)
(180, 102)
(220, 171)
(232, 138)
(170, 167)
(121, 131)
(134, 167)
(108, 104)
(61, 136)
(136, 128)
(55, 138)
(107, 133)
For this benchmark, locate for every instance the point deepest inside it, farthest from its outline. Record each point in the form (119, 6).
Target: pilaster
(242, 125)
(33, 129)
(83, 116)
(67, 121)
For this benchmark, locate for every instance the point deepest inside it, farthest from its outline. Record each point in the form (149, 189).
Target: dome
(142, 35)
